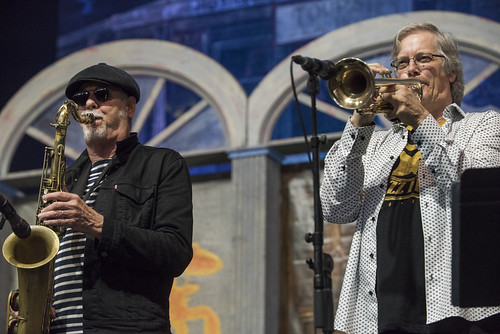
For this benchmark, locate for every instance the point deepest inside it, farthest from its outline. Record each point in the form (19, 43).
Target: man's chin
(91, 135)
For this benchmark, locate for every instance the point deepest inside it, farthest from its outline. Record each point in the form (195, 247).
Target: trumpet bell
(352, 86)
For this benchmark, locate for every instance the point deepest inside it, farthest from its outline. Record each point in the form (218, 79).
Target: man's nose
(412, 68)
(91, 102)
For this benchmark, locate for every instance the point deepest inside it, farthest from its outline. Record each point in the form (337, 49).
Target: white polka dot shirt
(356, 173)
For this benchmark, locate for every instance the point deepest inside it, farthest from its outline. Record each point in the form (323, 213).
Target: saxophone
(29, 307)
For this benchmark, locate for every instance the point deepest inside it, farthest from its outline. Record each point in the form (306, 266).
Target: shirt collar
(453, 112)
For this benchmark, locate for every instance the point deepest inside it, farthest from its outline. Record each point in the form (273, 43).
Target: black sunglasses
(100, 93)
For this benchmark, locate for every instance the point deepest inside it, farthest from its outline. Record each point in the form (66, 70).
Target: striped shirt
(68, 272)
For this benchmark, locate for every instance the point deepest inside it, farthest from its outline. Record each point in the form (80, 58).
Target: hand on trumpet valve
(379, 69)
(405, 102)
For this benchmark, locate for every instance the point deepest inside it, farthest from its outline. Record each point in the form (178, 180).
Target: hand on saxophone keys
(69, 210)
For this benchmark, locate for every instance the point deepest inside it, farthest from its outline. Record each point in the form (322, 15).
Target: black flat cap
(106, 74)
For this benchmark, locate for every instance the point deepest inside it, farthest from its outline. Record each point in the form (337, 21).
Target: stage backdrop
(215, 77)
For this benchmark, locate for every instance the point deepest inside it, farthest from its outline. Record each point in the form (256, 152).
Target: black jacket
(146, 202)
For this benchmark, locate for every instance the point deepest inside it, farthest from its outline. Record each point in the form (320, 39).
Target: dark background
(28, 32)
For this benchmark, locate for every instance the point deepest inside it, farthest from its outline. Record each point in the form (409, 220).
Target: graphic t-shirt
(400, 251)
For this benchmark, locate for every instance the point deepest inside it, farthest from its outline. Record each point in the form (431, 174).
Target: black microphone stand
(322, 263)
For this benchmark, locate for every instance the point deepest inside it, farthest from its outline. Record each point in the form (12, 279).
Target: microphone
(325, 69)
(20, 227)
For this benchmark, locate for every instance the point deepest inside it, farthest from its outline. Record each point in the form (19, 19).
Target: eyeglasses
(101, 93)
(421, 58)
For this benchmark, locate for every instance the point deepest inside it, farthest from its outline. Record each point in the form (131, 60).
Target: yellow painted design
(204, 263)
(403, 182)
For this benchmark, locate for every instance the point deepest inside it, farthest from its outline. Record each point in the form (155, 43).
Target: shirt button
(370, 293)
(372, 255)
(419, 142)
(104, 254)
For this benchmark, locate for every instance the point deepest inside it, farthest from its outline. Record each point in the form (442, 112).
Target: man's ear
(452, 77)
(131, 103)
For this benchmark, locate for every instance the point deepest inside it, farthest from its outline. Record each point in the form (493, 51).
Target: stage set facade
(223, 98)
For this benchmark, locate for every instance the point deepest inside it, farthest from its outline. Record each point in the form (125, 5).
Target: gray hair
(447, 46)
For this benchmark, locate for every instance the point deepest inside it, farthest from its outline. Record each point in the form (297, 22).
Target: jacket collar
(123, 149)
(125, 146)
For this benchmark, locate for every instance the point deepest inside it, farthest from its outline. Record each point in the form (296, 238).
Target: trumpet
(352, 86)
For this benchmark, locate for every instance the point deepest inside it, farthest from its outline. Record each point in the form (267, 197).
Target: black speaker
(476, 238)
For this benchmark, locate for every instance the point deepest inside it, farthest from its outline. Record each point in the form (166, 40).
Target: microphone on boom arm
(325, 69)
(20, 227)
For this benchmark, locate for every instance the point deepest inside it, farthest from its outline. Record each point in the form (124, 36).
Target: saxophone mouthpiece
(90, 117)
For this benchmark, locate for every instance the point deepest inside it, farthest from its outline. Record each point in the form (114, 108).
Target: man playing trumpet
(396, 185)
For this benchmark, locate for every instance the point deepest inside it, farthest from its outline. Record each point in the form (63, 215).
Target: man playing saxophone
(127, 215)
(396, 186)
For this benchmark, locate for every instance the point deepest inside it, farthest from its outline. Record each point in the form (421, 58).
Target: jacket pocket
(137, 204)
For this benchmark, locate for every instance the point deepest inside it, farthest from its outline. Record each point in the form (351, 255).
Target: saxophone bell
(29, 305)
